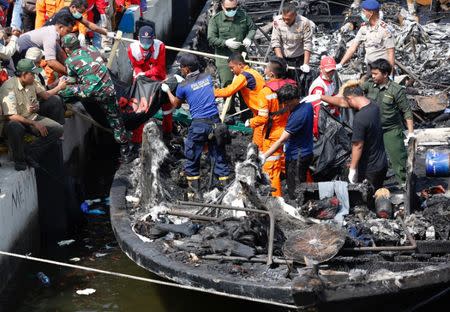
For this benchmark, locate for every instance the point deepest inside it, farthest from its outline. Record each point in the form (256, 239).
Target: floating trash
(86, 292)
(65, 242)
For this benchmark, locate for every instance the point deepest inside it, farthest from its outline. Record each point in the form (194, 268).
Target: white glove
(305, 68)
(247, 123)
(338, 66)
(355, 4)
(103, 20)
(411, 8)
(232, 43)
(262, 158)
(82, 40)
(111, 34)
(178, 78)
(311, 98)
(247, 42)
(352, 176)
(165, 87)
(409, 136)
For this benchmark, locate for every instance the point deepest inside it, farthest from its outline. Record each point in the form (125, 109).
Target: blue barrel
(437, 163)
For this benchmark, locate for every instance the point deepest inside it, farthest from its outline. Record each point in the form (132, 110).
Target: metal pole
(214, 56)
(269, 213)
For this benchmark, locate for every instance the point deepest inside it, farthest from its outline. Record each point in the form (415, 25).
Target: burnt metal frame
(187, 204)
(410, 176)
(411, 239)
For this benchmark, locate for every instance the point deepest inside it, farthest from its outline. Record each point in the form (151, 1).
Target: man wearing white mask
(230, 30)
(77, 11)
(376, 36)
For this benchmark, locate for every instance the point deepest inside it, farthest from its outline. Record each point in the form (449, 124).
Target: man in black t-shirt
(369, 159)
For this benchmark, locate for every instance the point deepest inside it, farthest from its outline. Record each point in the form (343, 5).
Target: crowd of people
(285, 123)
(54, 63)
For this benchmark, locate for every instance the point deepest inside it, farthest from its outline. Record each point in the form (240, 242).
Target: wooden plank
(115, 46)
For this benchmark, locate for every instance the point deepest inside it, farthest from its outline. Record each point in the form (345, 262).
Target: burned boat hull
(151, 257)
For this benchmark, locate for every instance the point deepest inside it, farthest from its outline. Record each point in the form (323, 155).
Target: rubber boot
(223, 182)
(194, 190)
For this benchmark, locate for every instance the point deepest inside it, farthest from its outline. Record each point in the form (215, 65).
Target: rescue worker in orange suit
(272, 117)
(324, 85)
(249, 83)
(148, 58)
(49, 11)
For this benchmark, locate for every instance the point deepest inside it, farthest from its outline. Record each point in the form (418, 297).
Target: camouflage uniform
(93, 81)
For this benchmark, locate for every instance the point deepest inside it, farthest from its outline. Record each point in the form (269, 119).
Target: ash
(238, 241)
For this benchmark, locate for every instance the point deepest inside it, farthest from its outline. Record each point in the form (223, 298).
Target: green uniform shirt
(393, 103)
(220, 28)
(92, 78)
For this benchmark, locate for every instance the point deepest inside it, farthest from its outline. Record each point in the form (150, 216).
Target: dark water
(112, 293)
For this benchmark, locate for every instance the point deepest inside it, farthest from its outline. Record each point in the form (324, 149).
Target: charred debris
(337, 228)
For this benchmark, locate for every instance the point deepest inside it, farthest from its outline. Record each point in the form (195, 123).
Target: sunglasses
(230, 9)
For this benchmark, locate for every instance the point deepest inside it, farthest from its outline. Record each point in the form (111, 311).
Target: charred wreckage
(337, 241)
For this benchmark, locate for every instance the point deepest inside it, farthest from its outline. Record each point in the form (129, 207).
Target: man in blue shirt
(298, 136)
(198, 91)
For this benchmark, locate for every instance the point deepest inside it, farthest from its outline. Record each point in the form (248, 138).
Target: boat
(345, 275)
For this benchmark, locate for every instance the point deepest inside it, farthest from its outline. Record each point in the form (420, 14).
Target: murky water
(96, 247)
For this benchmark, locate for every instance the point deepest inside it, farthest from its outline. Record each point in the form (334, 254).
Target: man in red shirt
(323, 85)
(148, 58)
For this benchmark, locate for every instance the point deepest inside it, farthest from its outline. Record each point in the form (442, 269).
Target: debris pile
(239, 228)
(242, 223)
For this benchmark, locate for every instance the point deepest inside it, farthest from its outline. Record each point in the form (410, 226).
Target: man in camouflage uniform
(230, 30)
(92, 82)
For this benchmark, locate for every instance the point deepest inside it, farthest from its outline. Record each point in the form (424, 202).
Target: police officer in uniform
(375, 34)
(230, 30)
(198, 91)
(292, 39)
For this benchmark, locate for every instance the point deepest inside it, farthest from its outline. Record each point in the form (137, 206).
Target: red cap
(328, 63)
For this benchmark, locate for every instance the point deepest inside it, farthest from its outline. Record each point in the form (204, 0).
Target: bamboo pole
(209, 55)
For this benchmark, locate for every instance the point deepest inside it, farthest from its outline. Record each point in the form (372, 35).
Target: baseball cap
(371, 5)
(146, 35)
(70, 41)
(189, 60)
(328, 64)
(26, 66)
(34, 54)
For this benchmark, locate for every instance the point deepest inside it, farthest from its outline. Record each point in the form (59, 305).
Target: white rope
(149, 280)
(215, 56)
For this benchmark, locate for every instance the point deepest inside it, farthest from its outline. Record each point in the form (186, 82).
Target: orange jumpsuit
(47, 8)
(272, 118)
(249, 83)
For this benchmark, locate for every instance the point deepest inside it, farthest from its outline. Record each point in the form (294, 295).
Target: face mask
(364, 18)
(77, 15)
(230, 13)
(146, 46)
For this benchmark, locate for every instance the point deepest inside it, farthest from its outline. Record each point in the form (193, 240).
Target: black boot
(32, 162)
(20, 165)
(222, 183)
